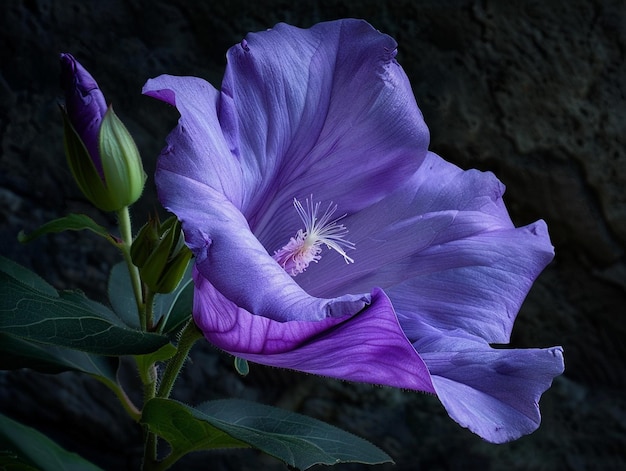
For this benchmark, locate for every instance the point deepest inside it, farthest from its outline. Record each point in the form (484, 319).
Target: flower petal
(442, 247)
(234, 261)
(438, 204)
(283, 118)
(197, 149)
(493, 392)
(367, 347)
(85, 105)
(298, 110)
(307, 107)
(476, 284)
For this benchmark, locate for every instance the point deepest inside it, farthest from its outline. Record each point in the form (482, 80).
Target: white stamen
(306, 246)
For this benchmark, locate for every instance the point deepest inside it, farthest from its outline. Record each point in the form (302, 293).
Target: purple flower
(85, 105)
(329, 240)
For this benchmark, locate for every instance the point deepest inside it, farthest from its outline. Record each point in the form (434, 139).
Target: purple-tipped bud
(85, 105)
(101, 153)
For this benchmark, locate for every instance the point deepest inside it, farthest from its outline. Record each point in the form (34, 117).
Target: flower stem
(149, 310)
(150, 444)
(127, 404)
(188, 337)
(123, 218)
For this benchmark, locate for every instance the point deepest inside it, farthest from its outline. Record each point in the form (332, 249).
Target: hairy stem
(188, 337)
(149, 310)
(150, 439)
(123, 218)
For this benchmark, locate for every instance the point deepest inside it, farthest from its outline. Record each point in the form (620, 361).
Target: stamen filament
(305, 247)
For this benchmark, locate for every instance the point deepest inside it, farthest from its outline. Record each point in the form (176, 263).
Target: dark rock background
(533, 91)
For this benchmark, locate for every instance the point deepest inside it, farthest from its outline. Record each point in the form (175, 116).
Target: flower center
(305, 247)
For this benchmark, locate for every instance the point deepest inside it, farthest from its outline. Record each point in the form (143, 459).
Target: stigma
(319, 230)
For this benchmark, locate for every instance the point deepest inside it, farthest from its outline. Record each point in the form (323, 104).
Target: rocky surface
(533, 91)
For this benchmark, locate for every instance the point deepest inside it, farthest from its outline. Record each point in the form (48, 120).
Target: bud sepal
(124, 177)
(160, 253)
(121, 163)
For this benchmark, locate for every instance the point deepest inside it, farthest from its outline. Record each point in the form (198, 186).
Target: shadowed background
(533, 91)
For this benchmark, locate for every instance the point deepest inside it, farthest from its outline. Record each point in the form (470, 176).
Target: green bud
(145, 242)
(123, 177)
(160, 253)
(121, 162)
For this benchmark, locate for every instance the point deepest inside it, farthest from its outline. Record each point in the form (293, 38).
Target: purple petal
(85, 105)
(493, 392)
(328, 112)
(438, 204)
(285, 119)
(476, 284)
(444, 232)
(235, 262)
(197, 149)
(367, 347)
(311, 105)
(299, 109)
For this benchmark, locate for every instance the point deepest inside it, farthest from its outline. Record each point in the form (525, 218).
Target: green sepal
(122, 179)
(160, 253)
(145, 241)
(175, 307)
(87, 177)
(121, 162)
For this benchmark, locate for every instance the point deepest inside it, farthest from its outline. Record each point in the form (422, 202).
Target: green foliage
(16, 353)
(160, 253)
(124, 176)
(145, 362)
(24, 448)
(71, 222)
(33, 310)
(242, 367)
(171, 309)
(51, 332)
(295, 439)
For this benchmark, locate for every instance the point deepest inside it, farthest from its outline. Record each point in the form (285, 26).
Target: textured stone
(532, 90)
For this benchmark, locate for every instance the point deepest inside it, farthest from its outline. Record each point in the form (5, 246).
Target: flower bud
(101, 153)
(160, 253)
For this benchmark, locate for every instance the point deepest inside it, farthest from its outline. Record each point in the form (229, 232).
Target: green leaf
(121, 296)
(175, 307)
(242, 367)
(16, 353)
(25, 448)
(71, 222)
(10, 461)
(145, 362)
(26, 277)
(295, 439)
(175, 422)
(65, 319)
